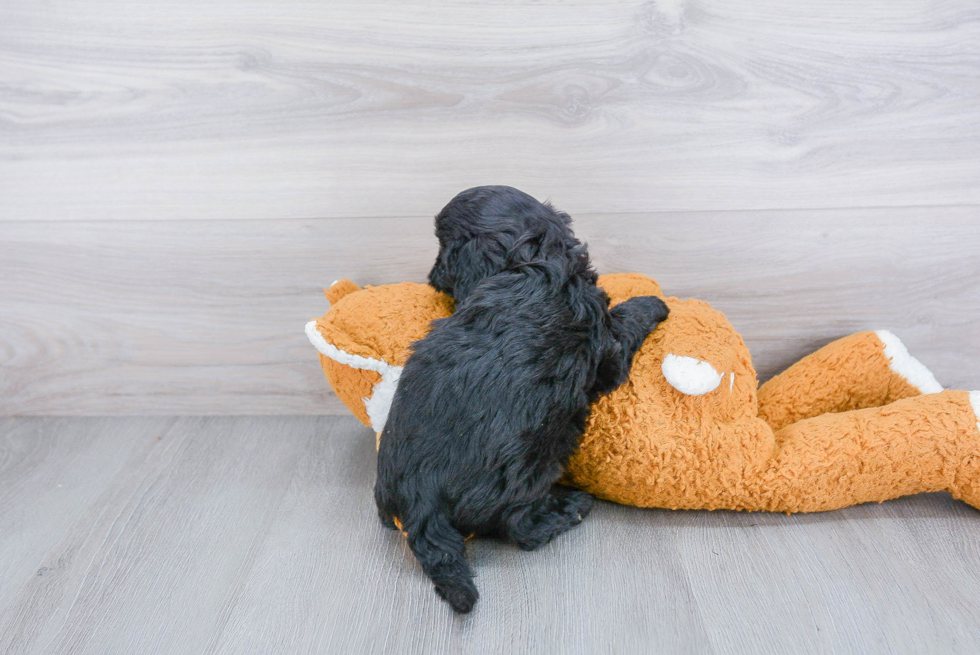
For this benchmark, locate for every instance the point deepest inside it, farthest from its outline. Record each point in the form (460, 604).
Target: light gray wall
(179, 180)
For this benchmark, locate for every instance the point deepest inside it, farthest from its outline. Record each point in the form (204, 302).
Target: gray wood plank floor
(258, 535)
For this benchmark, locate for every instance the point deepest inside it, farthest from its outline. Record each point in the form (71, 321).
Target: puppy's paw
(461, 594)
(650, 310)
(549, 519)
(386, 520)
(578, 505)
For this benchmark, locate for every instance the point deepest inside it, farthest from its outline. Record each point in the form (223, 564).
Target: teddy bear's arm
(622, 286)
(693, 369)
(702, 354)
(867, 369)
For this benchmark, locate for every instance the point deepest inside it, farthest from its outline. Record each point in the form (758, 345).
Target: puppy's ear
(471, 261)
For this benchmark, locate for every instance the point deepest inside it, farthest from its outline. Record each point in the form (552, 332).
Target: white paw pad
(689, 375)
(975, 403)
(900, 361)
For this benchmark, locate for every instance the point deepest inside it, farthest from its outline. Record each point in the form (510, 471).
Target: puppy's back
(490, 382)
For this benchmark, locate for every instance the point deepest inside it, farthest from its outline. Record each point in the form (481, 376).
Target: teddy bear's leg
(966, 486)
(924, 443)
(536, 523)
(867, 369)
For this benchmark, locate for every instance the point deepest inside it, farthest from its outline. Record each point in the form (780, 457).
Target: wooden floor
(180, 179)
(258, 535)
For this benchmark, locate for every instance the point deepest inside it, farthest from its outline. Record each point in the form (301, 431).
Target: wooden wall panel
(206, 317)
(300, 109)
(179, 179)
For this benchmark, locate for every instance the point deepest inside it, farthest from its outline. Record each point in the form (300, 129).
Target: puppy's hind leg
(534, 524)
(385, 503)
(440, 549)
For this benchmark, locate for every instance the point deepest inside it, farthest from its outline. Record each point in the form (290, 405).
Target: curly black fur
(494, 400)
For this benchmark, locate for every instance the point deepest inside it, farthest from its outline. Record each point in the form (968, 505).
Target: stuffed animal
(858, 420)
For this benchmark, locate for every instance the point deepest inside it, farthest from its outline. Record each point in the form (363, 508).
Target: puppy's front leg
(630, 323)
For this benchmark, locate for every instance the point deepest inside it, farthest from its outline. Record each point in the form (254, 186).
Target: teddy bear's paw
(689, 375)
(975, 404)
(904, 364)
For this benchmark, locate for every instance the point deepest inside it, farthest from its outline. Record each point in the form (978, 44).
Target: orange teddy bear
(859, 420)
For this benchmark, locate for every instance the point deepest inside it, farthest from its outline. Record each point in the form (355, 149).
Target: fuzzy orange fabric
(371, 324)
(923, 443)
(850, 373)
(351, 385)
(839, 427)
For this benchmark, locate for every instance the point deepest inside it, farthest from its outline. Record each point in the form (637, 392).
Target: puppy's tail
(439, 548)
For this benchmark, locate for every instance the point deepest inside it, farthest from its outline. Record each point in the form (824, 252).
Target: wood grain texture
(49, 476)
(299, 109)
(153, 563)
(206, 317)
(259, 535)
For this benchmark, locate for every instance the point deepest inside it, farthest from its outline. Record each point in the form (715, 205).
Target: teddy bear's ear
(623, 286)
(338, 289)
(365, 338)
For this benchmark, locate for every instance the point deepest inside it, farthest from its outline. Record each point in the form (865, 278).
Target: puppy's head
(489, 229)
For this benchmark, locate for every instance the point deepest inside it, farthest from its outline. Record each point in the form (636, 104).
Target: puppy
(494, 400)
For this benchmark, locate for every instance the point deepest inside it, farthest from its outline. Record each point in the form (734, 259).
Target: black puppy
(493, 401)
